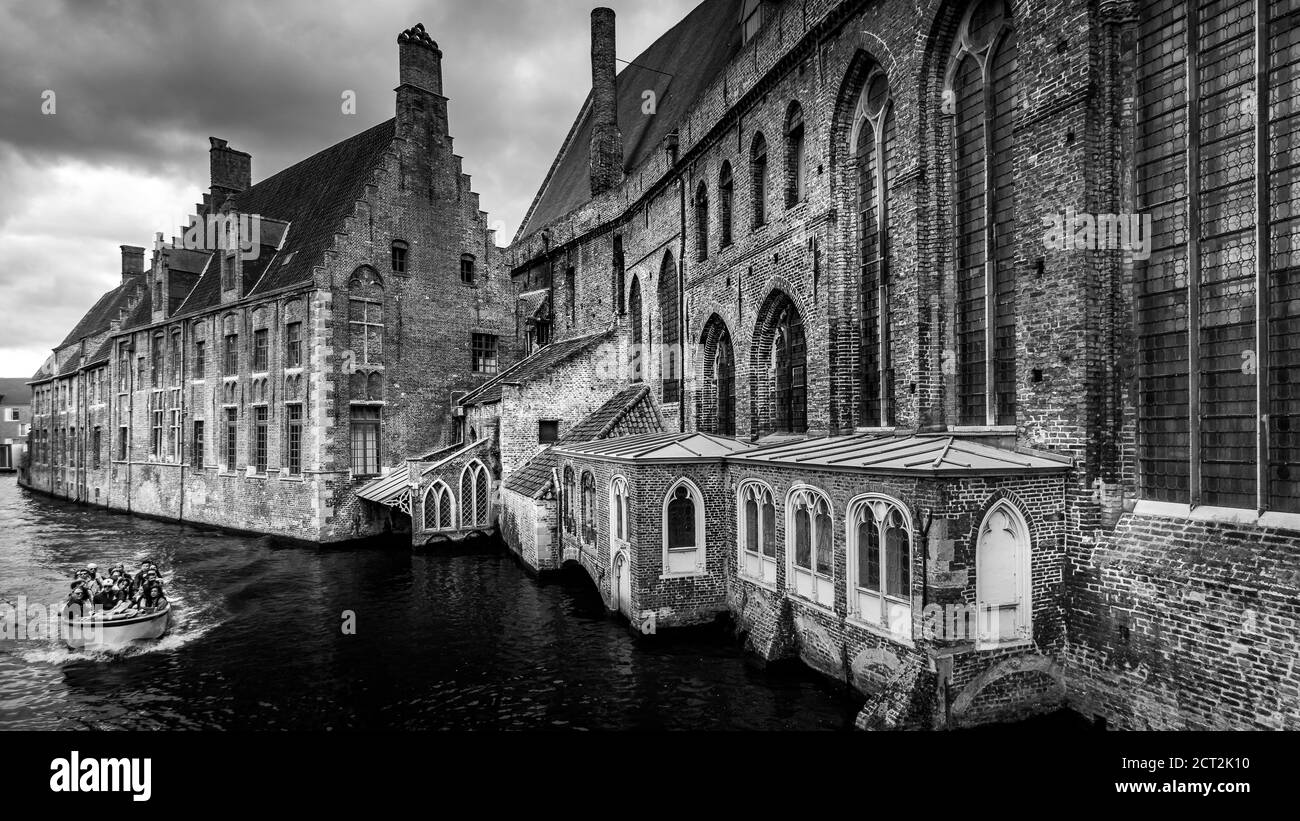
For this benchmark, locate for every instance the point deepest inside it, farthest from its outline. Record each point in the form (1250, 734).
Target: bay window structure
(683, 527)
(879, 538)
(757, 530)
(474, 495)
(1218, 310)
(810, 572)
(873, 123)
(983, 87)
(1003, 579)
(439, 507)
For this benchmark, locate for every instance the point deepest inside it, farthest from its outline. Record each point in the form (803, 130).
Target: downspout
(681, 301)
(180, 427)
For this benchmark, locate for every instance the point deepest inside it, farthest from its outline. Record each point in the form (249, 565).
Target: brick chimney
(606, 139)
(421, 109)
(419, 60)
(232, 171)
(132, 261)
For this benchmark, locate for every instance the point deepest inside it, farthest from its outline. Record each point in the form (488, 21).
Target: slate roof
(539, 363)
(927, 454)
(629, 411)
(314, 196)
(15, 391)
(677, 67)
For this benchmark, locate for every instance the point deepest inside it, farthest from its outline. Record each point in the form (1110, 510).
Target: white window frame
(1021, 590)
(618, 493)
(481, 518)
(755, 566)
(690, 561)
(878, 609)
(806, 583)
(430, 495)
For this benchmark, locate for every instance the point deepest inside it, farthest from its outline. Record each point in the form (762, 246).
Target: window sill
(882, 632)
(694, 574)
(294, 371)
(958, 430)
(1224, 515)
(769, 586)
(296, 478)
(822, 608)
(1011, 644)
(887, 431)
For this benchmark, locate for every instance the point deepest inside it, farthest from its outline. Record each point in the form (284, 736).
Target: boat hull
(97, 633)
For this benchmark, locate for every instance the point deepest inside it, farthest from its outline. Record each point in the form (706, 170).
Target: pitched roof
(657, 447)
(928, 454)
(15, 391)
(314, 197)
(629, 411)
(540, 362)
(677, 67)
(104, 311)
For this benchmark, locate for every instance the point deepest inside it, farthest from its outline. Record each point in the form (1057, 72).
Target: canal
(459, 639)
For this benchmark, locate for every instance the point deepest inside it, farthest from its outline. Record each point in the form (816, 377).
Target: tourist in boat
(79, 601)
(151, 597)
(145, 566)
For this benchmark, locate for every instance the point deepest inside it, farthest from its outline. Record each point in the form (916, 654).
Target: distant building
(15, 421)
(257, 390)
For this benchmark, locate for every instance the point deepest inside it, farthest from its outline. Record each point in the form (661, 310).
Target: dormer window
(751, 19)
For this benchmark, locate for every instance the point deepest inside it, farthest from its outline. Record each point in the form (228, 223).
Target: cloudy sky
(139, 86)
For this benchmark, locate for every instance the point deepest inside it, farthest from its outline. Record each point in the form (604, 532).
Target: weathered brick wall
(1181, 624)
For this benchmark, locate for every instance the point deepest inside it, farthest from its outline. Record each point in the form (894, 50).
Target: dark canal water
(459, 640)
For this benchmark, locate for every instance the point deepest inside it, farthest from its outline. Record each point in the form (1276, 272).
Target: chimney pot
(419, 60)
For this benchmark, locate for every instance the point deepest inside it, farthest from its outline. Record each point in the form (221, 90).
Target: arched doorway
(621, 590)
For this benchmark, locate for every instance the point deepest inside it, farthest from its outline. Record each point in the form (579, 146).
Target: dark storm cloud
(141, 85)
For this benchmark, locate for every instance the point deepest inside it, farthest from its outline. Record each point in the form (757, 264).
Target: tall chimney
(606, 139)
(419, 60)
(132, 261)
(232, 171)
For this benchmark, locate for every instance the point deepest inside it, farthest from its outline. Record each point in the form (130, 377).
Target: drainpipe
(180, 427)
(681, 282)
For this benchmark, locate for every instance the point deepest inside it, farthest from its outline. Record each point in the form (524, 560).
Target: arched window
(683, 526)
(757, 529)
(670, 351)
(439, 507)
(758, 178)
(620, 305)
(634, 309)
(879, 537)
(1003, 578)
(474, 495)
(726, 196)
(983, 87)
(796, 172)
(570, 504)
(618, 510)
(366, 316)
(875, 146)
(702, 222)
(782, 392)
(809, 546)
(717, 400)
(1218, 320)
(588, 507)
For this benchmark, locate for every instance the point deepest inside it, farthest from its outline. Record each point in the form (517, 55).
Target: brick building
(254, 375)
(15, 418)
(971, 452)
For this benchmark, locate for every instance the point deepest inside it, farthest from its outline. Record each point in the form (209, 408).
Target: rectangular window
(259, 438)
(293, 439)
(467, 269)
(174, 435)
(200, 359)
(231, 364)
(156, 362)
(156, 440)
(261, 338)
(174, 372)
(365, 440)
(123, 437)
(484, 351)
(139, 372)
(399, 257)
(197, 458)
(366, 326)
(293, 345)
(232, 439)
(548, 430)
(123, 371)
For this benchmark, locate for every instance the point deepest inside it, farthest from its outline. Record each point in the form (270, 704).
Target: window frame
(356, 424)
(439, 491)
(821, 587)
(757, 567)
(698, 552)
(618, 512)
(898, 623)
(1024, 583)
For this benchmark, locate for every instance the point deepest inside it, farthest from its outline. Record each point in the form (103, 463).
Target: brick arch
(772, 384)
(717, 344)
(1012, 498)
(1014, 666)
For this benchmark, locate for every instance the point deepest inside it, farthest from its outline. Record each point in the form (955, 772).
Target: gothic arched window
(439, 507)
(717, 400)
(983, 87)
(634, 310)
(588, 507)
(758, 178)
(570, 504)
(670, 351)
(683, 526)
(879, 535)
(796, 172)
(809, 551)
(875, 148)
(757, 529)
(1003, 580)
(701, 221)
(726, 198)
(474, 495)
(783, 393)
(366, 316)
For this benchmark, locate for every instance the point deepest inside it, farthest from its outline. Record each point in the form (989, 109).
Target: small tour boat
(101, 631)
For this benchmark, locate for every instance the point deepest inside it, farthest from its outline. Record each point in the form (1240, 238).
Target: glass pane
(897, 562)
(769, 530)
(824, 544)
(869, 555)
(681, 520)
(802, 538)
(751, 525)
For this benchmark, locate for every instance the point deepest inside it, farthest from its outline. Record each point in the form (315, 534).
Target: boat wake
(182, 631)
